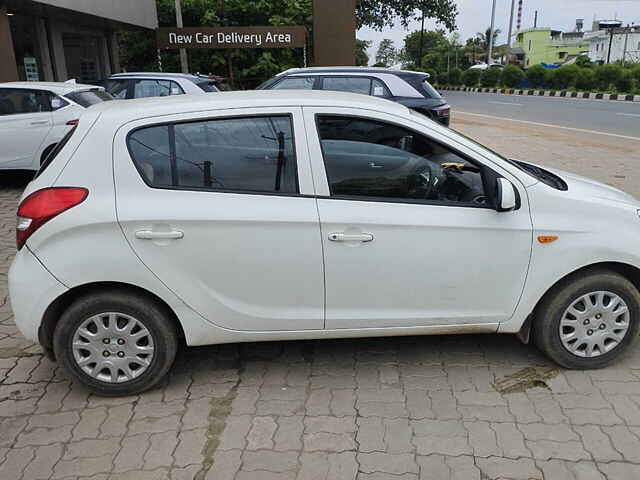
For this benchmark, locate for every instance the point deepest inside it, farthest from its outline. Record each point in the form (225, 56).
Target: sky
(475, 16)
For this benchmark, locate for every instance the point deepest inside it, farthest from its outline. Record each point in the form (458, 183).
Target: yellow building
(544, 45)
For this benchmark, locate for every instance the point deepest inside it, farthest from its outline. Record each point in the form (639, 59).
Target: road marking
(629, 114)
(507, 103)
(582, 130)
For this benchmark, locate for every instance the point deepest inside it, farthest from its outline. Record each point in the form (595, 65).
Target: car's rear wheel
(588, 321)
(115, 343)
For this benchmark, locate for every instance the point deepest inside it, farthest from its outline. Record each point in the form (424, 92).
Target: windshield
(87, 98)
(538, 173)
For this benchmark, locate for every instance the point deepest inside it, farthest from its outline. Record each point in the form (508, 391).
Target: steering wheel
(422, 182)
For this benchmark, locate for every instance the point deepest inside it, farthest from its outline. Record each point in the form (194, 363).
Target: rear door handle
(42, 122)
(351, 237)
(151, 235)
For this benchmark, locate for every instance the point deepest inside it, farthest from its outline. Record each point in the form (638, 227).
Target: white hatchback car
(34, 116)
(280, 215)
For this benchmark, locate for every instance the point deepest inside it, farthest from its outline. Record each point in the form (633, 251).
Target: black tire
(548, 314)
(152, 315)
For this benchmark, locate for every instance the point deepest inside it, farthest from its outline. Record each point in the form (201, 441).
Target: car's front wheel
(588, 321)
(115, 343)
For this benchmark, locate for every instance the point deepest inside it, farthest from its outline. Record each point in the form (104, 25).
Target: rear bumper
(31, 290)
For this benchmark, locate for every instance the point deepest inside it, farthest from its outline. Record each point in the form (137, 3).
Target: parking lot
(462, 407)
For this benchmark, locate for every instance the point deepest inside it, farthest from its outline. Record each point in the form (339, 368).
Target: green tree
(362, 57)
(512, 76)
(624, 83)
(455, 77)
(471, 77)
(537, 75)
(585, 80)
(432, 41)
(379, 14)
(387, 53)
(564, 77)
(484, 38)
(583, 61)
(606, 75)
(490, 77)
(245, 68)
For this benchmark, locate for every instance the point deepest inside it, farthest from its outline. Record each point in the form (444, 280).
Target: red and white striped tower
(519, 22)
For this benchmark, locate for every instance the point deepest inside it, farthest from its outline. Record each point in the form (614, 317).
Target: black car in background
(411, 89)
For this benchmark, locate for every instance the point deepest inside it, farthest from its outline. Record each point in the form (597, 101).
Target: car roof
(60, 88)
(351, 70)
(189, 76)
(157, 106)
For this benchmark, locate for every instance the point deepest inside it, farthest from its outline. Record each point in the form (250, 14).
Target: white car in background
(35, 116)
(254, 216)
(125, 86)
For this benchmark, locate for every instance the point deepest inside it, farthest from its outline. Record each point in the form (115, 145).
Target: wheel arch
(625, 270)
(55, 310)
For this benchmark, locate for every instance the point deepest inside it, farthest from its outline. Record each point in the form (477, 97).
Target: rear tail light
(73, 122)
(443, 111)
(42, 205)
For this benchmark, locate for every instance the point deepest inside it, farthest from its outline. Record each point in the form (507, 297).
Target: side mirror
(506, 196)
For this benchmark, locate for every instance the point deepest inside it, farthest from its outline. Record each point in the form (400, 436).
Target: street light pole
(626, 43)
(490, 39)
(610, 45)
(513, 5)
(421, 39)
(183, 53)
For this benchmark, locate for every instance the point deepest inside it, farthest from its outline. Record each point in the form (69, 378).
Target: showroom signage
(232, 37)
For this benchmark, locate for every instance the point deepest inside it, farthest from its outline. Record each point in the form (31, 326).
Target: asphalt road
(618, 118)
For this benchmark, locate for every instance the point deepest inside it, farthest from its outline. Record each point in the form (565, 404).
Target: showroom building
(56, 40)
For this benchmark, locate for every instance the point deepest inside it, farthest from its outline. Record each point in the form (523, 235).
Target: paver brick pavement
(411, 408)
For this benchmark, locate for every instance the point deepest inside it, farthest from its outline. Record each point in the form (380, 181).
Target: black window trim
(486, 172)
(369, 77)
(170, 126)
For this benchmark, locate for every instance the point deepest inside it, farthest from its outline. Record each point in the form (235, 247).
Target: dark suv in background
(411, 89)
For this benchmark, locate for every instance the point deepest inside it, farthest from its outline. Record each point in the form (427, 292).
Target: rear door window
(117, 88)
(16, 101)
(296, 83)
(249, 154)
(360, 85)
(156, 88)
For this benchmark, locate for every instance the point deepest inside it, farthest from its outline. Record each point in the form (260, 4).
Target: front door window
(370, 159)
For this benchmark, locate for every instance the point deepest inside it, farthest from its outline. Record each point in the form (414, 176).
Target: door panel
(393, 262)
(426, 264)
(244, 261)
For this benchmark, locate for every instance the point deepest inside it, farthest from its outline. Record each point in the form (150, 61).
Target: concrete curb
(547, 93)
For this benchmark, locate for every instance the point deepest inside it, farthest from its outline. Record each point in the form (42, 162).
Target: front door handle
(42, 122)
(151, 235)
(351, 237)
